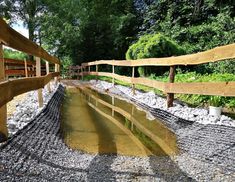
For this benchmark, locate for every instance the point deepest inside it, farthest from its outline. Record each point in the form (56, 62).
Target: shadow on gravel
(165, 169)
(99, 168)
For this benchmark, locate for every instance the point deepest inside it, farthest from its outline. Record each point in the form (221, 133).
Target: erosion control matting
(38, 153)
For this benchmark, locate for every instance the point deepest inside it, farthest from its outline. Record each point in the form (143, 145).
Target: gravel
(37, 151)
(27, 109)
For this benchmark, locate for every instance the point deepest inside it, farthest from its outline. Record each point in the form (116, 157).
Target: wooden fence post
(26, 68)
(96, 70)
(133, 75)
(47, 72)
(3, 109)
(38, 74)
(33, 69)
(170, 96)
(56, 78)
(113, 75)
(58, 69)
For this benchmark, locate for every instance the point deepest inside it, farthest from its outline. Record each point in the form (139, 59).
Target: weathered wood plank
(217, 54)
(18, 72)
(3, 108)
(202, 88)
(11, 62)
(16, 87)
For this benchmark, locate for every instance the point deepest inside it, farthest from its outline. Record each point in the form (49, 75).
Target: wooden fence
(11, 88)
(22, 68)
(203, 88)
(73, 71)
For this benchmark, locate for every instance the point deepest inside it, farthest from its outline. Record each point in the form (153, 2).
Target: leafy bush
(8, 53)
(153, 46)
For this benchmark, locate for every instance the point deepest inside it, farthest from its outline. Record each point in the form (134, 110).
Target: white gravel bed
(27, 109)
(199, 115)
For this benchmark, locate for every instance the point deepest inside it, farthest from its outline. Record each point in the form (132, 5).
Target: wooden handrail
(16, 87)
(13, 39)
(202, 88)
(217, 54)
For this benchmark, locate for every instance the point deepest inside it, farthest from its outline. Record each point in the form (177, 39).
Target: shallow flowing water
(99, 123)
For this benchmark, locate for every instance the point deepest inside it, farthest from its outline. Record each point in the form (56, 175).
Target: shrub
(153, 46)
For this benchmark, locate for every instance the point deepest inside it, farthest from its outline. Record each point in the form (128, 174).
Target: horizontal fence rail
(217, 54)
(13, 39)
(25, 68)
(202, 88)
(16, 87)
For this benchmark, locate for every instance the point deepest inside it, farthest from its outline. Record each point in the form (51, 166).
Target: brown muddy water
(99, 123)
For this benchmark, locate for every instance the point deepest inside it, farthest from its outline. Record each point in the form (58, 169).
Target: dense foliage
(153, 46)
(89, 30)
(195, 25)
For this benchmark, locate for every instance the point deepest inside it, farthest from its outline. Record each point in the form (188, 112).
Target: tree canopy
(84, 31)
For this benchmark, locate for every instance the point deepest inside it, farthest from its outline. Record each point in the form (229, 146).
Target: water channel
(96, 122)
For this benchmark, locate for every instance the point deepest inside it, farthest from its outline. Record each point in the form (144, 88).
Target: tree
(196, 25)
(91, 30)
(27, 11)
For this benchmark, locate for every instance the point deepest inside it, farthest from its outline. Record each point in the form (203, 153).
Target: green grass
(194, 100)
(199, 100)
